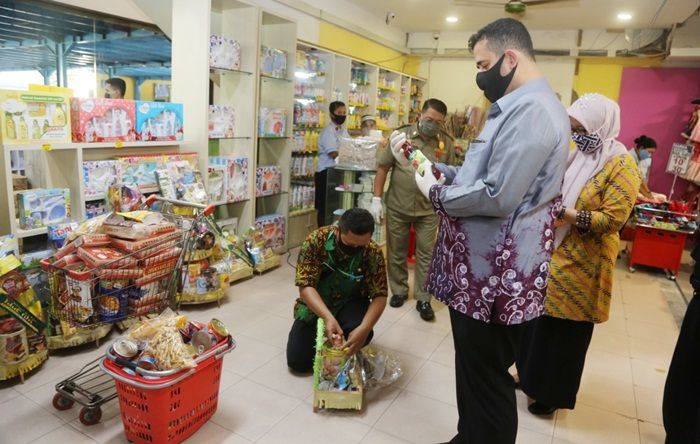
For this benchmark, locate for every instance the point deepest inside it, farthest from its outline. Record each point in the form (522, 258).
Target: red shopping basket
(169, 409)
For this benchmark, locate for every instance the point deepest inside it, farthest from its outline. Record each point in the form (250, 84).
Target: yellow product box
(33, 116)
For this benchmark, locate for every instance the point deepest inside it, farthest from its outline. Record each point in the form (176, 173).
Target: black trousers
(681, 407)
(301, 345)
(550, 360)
(488, 412)
(320, 180)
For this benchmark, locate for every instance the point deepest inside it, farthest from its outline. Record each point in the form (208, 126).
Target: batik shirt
(314, 265)
(491, 258)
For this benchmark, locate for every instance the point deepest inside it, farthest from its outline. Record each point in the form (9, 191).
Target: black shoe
(425, 310)
(397, 300)
(539, 409)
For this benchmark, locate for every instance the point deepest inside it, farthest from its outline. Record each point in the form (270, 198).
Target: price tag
(118, 144)
(46, 147)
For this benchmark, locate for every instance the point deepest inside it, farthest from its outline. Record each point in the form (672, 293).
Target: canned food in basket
(218, 329)
(147, 362)
(125, 348)
(202, 341)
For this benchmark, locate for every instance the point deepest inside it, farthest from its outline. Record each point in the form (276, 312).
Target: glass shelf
(231, 138)
(297, 213)
(280, 79)
(281, 193)
(225, 71)
(273, 137)
(226, 202)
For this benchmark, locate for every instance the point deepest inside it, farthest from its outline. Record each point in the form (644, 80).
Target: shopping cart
(167, 406)
(90, 388)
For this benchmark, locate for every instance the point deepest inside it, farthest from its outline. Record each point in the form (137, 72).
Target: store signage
(679, 159)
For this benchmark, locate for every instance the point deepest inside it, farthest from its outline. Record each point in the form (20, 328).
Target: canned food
(218, 329)
(191, 328)
(124, 348)
(202, 341)
(147, 362)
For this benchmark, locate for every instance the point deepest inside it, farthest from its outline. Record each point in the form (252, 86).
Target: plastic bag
(164, 341)
(359, 153)
(377, 368)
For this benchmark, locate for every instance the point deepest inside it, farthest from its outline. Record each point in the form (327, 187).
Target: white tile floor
(619, 401)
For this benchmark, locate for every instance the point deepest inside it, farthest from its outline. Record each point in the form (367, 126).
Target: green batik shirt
(403, 195)
(317, 261)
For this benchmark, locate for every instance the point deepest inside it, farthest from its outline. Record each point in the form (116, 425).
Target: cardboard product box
(42, 207)
(272, 122)
(235, 180)
(31, 117)
(222, 121)
(273, 62)
(103, 120)
(268, 180)
(159, 121)
(19, 183)
(272, 227)
(98, 176)
(224, 53)
(140, 171)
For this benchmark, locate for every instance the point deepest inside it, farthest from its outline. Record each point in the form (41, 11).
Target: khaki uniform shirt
(403, 195)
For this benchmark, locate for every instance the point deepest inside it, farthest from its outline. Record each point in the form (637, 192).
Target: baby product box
(140, 171)
(268, 180)
(273, 62)
(30, 117)
(222, 121)
(42, 207)
(98, 176)
(272, 228)
(159, 120)
(272, 122)
(224, 53)
(235, 181)
(103, 120)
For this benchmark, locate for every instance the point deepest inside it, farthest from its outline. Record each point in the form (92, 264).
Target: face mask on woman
(338, 120)
(587, 143)
(644, 154)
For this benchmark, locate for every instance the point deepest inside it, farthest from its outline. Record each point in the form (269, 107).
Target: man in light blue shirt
(496, 235)
(328, 143)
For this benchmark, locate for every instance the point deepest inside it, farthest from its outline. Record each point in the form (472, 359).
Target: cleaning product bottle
(417, 159)
(59, 117)
(10, 129)
(23, 129)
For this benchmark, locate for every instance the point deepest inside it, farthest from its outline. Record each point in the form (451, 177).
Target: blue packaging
(40, 208)
(159, 121)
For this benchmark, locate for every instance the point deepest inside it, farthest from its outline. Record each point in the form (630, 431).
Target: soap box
(222, 121)
(224, 53)
(159, 121)
(268, 180)
(42, 207)
(98, 176)
(30, 117)
(272, 122)
(103, 120)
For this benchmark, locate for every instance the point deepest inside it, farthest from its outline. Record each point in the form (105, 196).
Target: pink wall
(656, 102)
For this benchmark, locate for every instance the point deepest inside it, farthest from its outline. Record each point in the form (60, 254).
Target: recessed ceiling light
(624, 16)
(451, 19)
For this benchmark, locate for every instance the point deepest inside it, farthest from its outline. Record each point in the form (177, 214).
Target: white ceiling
(429, 15)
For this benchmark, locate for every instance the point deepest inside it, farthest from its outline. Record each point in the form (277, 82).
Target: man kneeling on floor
(341, 277)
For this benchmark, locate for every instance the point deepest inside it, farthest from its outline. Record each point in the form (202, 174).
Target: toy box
(98, 176)
(273, 62)
(103, 120)
(222, 121)
(140, 171)
(42, 207)
(272, 228)
(235, 176)
(30, 117)
(182, 182)
(224, 53)
(272, 122)
(268, 180)
(158, 121)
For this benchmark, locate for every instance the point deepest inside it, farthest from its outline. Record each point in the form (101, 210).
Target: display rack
(236, 20)
(362, 95)
(276, 91)
(416, 100)
(388, 100)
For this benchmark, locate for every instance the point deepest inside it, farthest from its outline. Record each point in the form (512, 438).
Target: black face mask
(339, 120)
(347, 249)
(492, 83)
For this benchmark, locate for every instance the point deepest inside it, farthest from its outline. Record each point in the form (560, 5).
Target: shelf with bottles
(308, 114)
(301, 199)
(303, 165)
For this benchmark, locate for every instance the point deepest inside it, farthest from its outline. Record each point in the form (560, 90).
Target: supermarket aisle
(619, 402)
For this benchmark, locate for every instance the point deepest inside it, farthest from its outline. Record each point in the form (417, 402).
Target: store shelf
(102, 196)
(303, 127)
(357, 105)
(343, 190)
(282, 193)
(279, 79)
(386, 88)
(231, 138)
(274, 137)
(298, 213)
(386, 108)
(309, 181)
(87, 145)
(229, 202)
(29, 233)
(222, 71)
(310, 99)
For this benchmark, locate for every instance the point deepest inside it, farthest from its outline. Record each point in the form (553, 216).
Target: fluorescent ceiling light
(624, 16)
(451, 19)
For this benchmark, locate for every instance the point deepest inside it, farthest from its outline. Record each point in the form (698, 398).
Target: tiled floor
(619, 401)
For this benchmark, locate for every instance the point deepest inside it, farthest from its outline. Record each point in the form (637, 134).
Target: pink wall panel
(656, 102)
